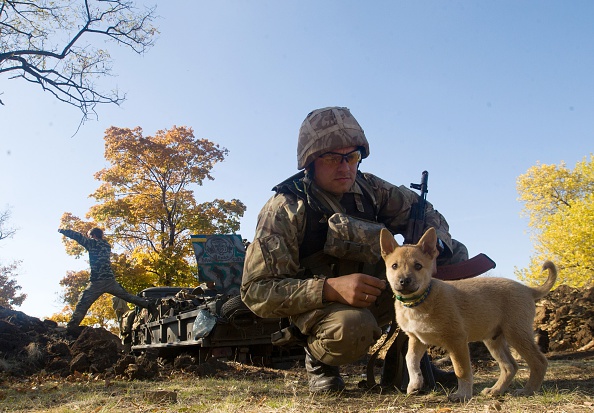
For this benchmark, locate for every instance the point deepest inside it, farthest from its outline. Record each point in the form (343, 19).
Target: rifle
(416, 221)
(394, 371)
(416, 228)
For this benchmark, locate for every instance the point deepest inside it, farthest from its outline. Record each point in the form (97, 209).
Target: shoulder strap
(368, 192)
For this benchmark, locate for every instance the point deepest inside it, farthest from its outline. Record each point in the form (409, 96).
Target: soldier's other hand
(357, 289)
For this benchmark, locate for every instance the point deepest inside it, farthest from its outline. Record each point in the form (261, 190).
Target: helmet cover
(326, 129)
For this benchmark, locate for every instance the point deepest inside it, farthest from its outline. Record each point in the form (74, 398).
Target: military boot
(446, 379)
(322, 377)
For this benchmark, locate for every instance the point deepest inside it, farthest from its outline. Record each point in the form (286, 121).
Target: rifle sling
(370, 380)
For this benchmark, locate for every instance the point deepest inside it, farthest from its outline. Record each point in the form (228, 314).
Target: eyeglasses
(335, 158)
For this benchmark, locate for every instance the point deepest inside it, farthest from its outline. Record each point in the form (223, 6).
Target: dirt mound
(565, 320)
(29, 345)
(564, 323)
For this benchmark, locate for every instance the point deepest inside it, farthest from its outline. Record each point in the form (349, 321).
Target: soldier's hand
(358, 290)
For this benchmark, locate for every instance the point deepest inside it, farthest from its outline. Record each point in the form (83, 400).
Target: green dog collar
(415, 300)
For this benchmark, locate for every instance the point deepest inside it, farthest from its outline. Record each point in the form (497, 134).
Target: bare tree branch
(33, 48)
(5, 232)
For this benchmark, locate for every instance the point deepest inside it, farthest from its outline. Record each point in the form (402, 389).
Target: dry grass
(569, 388)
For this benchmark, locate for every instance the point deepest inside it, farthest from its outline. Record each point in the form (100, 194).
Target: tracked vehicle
(209, 320)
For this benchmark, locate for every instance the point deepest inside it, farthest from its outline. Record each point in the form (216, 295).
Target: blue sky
(475, 92)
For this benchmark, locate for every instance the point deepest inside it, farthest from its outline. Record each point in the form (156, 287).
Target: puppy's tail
(539, 292)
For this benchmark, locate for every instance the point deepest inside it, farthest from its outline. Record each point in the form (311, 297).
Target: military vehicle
(209, 320)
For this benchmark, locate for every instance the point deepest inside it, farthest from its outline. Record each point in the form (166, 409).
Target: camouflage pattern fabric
(120, 307)
(277, 283)
(353, 238)
(273, 284)
(94, 290)
(102, 279)
(326, 129)
(99, 253)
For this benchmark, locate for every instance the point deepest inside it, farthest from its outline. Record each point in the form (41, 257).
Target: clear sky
(475, 92)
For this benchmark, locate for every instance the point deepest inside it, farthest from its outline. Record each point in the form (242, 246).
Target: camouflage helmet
(327, 129)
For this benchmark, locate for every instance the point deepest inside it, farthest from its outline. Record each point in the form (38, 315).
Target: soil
(564, 326)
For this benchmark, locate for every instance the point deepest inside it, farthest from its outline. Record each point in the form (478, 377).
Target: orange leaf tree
(146, 200)
(146, 206)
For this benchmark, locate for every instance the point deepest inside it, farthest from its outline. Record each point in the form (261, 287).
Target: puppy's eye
(418, 266)
(394, 266)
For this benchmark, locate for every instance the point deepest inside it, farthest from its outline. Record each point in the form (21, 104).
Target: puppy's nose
(405, 282)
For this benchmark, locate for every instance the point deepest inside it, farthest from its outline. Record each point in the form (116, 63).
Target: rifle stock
(416, 227)
(466, 269)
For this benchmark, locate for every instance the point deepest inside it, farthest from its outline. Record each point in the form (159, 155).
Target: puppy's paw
(413, 392)
(414, 387)
(492, 391)
(523, 392)
(459, 397)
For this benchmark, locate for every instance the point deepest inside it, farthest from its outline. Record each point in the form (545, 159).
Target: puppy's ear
(387, 242)
(428, 243)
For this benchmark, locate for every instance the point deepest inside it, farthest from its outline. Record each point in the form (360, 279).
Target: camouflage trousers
(341, 334)
(94, 290)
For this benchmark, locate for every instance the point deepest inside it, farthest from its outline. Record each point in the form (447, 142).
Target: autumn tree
(54, 44)
(146, 199)
(147, 208)
(9, 289)
(559, 203)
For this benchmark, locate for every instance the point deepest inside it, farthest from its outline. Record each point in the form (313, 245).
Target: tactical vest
(312, 258)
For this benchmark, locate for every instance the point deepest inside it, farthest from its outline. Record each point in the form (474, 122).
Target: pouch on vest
(353, 238)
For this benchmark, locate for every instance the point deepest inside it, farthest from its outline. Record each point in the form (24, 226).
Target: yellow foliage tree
(559, 204)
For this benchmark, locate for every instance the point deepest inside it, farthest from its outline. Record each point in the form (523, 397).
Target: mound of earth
(564, 323)
(565, 320)
(29, 345)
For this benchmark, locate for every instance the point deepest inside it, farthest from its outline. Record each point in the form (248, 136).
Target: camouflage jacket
(275, 281)
(99, 254)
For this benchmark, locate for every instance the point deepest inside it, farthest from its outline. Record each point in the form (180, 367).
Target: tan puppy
(450, 314)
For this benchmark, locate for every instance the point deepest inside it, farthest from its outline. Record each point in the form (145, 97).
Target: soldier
(315, 257)
(102, 279)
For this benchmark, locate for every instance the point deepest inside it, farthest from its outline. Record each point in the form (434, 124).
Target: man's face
(334, 173)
